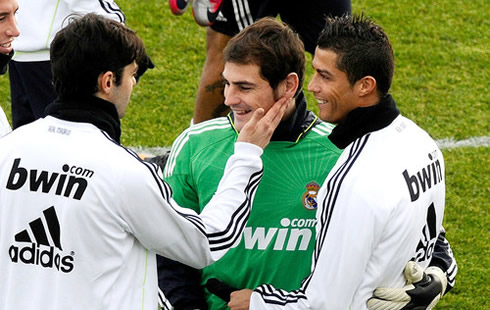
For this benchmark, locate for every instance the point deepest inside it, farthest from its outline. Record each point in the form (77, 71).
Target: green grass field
(441, 82)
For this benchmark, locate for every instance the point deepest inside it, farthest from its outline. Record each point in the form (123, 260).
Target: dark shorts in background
(307, 18)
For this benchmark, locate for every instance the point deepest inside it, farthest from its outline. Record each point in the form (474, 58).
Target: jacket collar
(296, 126)
(91, 109)
(4, 61)
(361, 121)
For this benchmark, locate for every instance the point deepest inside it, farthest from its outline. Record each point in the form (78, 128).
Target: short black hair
(362, 47)
(88, 46)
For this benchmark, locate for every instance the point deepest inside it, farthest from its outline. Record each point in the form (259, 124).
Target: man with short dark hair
(79, 230)
(263, 63)
(383, 203)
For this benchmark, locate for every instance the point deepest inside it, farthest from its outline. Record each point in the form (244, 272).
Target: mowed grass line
(441, 82)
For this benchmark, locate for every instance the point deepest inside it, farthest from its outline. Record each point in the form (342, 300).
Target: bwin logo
(45, 182)
(41, 252)
(423, 180)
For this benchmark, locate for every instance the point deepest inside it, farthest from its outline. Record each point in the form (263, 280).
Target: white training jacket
(40, 20)
(81, 218)
(4, 124)
(380, 206)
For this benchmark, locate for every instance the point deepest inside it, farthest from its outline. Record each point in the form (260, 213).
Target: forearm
(226, 214)
(443, 258)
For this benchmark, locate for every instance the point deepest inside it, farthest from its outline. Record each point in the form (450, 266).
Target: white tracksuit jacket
(381, 205)
(40, 20)
(81, 218)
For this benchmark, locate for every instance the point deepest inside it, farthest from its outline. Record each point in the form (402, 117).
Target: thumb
(258, 114)
(413, 272)
(256, 117)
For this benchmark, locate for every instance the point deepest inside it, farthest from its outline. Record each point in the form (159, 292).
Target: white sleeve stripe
(323, 129)
(453, 267)
(163, 302)
(451, 273)
(279, 297)
(184, 137)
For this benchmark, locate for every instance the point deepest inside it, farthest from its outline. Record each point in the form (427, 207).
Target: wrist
(441, 276)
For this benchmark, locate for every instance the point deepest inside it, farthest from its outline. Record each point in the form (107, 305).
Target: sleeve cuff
(246, 148)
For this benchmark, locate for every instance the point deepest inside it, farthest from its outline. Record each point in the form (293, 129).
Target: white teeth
(322, 101)
(240, 111)
(6, 45)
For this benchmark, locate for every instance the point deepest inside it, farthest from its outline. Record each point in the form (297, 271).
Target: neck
(94, 110)
(364, 120)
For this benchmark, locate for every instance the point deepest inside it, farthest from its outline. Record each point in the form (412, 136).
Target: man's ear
(366, 86)
(105, 82)
(291, 83)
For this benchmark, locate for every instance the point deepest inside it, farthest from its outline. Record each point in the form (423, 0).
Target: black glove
(422, 291)
(220, 289)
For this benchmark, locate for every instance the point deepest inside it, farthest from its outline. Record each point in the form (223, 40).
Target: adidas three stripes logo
(43, 248)
(40, 232)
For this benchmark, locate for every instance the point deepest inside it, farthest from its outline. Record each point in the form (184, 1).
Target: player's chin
(241, 120)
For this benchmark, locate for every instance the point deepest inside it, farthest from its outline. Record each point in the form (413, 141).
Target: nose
(12, 30)
(231, 97)
(313, 85)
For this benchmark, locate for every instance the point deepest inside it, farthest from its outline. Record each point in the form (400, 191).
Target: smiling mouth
(6, 45)
(241, 112)
(321, 101)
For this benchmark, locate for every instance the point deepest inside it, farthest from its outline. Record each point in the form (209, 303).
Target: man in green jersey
(262, 64)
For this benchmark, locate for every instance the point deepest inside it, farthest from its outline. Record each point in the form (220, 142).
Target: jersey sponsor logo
(426, 244)
(424, 179)
(294, 235)
(40, 244)
(73, 184)
(309, 197)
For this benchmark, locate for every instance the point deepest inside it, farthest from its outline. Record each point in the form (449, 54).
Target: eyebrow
(323, 72)
(241, 83)
(2, 14)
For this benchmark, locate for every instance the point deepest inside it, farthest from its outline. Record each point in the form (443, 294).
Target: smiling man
(263, 63)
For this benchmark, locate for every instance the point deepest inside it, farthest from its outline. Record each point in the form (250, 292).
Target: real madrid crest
(309, 197)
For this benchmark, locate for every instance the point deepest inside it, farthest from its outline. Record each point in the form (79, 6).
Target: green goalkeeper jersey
(277, 243)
